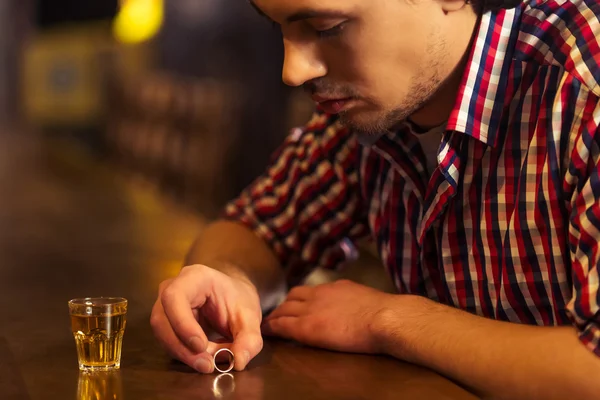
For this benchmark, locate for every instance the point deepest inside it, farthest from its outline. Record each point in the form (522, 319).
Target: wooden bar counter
(71, 228)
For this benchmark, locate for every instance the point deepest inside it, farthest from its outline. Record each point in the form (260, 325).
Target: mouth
(332, 105)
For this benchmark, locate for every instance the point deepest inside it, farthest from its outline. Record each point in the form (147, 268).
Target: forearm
(234, 249)
(496, 359)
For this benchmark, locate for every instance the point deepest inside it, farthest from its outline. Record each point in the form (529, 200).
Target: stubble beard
(368, 132)
(420, 92)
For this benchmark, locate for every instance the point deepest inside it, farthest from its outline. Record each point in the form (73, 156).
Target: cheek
(346, 64)
(392, 90)
(379, 69)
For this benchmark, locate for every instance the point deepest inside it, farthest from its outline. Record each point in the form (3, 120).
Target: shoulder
(565, 34)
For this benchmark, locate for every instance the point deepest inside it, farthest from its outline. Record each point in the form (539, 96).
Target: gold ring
(231, 361)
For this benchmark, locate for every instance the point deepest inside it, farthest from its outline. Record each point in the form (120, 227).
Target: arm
(269, 233)
(294, 217)
(234, 249)
(496, 359)
(291, 219)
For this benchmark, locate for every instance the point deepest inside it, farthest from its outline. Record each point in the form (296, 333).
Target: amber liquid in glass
(99, 339)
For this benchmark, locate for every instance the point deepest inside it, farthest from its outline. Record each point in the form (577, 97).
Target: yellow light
(138, 20)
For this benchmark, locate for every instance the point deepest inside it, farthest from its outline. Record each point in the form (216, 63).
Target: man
(464, 139)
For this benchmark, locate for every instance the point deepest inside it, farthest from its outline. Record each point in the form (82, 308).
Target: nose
(301, 63)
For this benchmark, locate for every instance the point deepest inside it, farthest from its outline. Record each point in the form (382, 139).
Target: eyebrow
(303, 14)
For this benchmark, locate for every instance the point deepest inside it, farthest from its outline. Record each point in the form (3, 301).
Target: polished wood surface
(72, 228)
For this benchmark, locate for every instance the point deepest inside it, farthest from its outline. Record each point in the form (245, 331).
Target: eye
(331, 32)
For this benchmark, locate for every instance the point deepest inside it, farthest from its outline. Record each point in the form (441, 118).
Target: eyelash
(324, 34)
(331, 32)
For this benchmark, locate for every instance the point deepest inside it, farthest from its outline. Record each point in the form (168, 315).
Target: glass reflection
(100, 385)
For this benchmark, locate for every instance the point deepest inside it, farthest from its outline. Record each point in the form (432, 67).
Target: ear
(449, 6)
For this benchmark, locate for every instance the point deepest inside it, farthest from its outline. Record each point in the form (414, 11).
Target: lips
(331, 106)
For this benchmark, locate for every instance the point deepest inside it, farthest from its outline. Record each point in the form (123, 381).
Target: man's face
(375, 62)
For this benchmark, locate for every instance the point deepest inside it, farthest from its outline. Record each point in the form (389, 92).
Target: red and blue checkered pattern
(508, 225)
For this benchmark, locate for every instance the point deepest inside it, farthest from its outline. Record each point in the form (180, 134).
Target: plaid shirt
(508, 225)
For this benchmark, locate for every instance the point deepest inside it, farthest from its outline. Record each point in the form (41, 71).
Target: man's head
(376, 62)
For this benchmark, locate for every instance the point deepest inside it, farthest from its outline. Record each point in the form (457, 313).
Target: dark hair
(483, 6)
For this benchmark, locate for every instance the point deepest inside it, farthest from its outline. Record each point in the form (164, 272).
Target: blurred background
(185, 95)
(181, 98)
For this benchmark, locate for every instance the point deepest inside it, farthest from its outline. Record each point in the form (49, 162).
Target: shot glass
(98, 326)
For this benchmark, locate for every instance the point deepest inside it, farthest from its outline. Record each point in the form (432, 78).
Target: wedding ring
(231, 361)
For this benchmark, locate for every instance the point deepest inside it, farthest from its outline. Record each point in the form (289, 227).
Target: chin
(365, 122)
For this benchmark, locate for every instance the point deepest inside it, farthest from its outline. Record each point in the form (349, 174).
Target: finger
(213, 347)
(213, 334)
(289, 308)
(247, 340)
(178, 299)
(176, 349)
(163, 285)
(301, 293)
(285, 327)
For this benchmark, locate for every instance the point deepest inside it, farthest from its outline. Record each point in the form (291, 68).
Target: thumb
(247, 342)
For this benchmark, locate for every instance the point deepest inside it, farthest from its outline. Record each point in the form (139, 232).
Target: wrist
(385, 332)
(225, 268)
(229, 269)
(399, 324)
(268, 297)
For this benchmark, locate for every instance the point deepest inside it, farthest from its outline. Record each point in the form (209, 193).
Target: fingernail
(202, 365)
(246, 357)
(197, 344)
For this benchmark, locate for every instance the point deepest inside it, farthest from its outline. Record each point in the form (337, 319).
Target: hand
(338, 316)
(229, 304)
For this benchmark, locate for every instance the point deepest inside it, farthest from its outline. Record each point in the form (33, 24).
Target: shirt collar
(483, 90)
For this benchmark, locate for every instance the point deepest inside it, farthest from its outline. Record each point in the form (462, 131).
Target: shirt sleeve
(307, 205)
(584, 235)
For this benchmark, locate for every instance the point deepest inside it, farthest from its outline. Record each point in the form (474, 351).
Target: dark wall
(50, 13)
(226, 39)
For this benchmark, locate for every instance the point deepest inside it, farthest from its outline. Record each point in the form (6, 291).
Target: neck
(438, 109)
